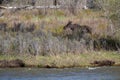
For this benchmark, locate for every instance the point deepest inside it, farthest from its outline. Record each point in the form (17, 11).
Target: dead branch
(29, 7)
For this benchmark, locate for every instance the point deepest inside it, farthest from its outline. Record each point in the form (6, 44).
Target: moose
(83, 32)
(73, 27)
(78, 32)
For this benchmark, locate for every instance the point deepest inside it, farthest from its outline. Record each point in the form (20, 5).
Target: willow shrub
(111, 9)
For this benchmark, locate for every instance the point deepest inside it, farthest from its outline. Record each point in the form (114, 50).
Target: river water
(103, 73)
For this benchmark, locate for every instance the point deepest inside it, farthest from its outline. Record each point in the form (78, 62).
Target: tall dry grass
(37, 43)
(33, 32)
(64, 60)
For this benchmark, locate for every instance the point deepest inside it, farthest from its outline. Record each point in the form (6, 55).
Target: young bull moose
(78, 32)
(73, 27)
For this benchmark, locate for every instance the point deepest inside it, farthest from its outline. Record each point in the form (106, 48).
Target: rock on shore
(11, 63)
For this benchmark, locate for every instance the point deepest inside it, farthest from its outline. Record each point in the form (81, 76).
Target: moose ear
(69, 22)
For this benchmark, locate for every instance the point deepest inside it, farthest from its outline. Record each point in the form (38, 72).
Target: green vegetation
(111, 9)
(38, 37)
(65, 60)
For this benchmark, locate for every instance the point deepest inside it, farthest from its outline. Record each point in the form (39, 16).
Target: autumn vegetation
(39, 37)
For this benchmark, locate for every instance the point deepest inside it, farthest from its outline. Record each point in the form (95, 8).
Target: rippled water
(104, 73)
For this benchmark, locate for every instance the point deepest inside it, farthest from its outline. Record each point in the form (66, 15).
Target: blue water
(103, 73)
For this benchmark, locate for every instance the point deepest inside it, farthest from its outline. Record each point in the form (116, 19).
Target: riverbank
(64, 60)
(40, 40)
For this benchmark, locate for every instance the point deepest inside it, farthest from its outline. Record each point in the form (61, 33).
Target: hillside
(52, 34)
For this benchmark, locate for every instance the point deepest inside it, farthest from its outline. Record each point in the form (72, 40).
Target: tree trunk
(54, 2)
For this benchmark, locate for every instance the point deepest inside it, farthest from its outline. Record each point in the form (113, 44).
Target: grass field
(54, 21)
(64, 60)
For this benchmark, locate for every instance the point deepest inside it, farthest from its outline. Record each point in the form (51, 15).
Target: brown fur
(73, 27)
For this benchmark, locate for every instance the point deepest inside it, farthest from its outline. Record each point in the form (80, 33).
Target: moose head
(73, 27)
